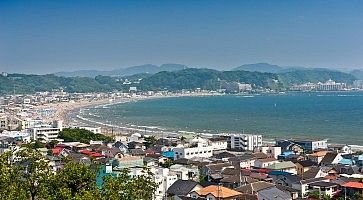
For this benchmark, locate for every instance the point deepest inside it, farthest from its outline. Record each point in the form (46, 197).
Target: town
(184, 165)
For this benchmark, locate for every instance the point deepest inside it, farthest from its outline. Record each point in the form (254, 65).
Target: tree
(125, 187)
(81, 135)
(34, 172)
(10, 187)
(150, 141)
(75, 181)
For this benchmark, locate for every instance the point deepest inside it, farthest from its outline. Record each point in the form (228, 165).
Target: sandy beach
(64, 110)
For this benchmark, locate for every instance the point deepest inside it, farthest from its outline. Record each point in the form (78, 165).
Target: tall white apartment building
(247, 142)
(46, 133)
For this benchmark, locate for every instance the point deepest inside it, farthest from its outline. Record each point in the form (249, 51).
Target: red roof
(57, 150)
(96, 155)
(90, 153)
(85, 151)
(351, 184)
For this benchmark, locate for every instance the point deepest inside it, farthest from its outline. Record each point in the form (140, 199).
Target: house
(245, 161)
(216, 192)
(303, 185)
(287, 145)
(340, 148)
(331, 158)
(270, 151)
(273, 193)
(225, 155)
(286, 155)
(183, 172)
(312, 145)
(284, 178)
(313, 172)
(294, 194)
(263, 163)
(353, 188)
(286, 166)
(182, 188)
(317, 156)
(324, 188)
(265, 191)
(211, 169)
(303, 166)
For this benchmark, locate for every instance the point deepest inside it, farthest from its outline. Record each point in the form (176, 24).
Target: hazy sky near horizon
(48, 36)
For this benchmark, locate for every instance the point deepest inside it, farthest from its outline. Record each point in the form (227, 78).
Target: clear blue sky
(48, 36)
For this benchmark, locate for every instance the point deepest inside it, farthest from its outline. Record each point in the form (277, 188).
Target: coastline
(114, 129)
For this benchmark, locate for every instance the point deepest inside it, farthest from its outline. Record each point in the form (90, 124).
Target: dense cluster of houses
(207, 167)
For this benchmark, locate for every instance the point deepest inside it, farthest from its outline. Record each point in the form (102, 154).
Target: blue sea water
(334, 115)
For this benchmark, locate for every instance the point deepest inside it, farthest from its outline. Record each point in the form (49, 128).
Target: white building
(269, 150)
(95, 130)
(194, 150)
(218, 143)
(46, 133)
(245, 141)
(18, 135)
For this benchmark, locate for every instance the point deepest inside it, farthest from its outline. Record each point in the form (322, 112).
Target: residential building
(45, 132)
(263, 163)
(303, 166)
(244, 142)
(312, 145)
(194, 150)
(216, 192)
(182, 188)
(270, 151)
(218, 143)
(287, 166)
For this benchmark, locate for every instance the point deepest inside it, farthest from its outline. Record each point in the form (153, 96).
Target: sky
(51, 36)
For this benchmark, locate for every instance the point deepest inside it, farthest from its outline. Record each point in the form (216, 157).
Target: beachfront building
(331, 85)
(312, 145)
(201, 150)
(244, 141)
(46, 132)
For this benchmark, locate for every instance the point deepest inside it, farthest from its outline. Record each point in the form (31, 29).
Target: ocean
(337, 116)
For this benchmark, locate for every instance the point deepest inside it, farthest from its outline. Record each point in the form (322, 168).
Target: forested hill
(189, 78)
(314, 76)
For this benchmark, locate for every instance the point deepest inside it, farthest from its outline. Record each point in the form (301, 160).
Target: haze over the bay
(51, 36)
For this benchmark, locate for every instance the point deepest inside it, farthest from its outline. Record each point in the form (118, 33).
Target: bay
(337, 116)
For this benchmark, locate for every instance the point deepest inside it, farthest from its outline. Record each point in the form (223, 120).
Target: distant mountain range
(150, 69)
(259, 67)
(141, 69)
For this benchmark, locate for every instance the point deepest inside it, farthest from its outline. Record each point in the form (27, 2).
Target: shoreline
(150, 130)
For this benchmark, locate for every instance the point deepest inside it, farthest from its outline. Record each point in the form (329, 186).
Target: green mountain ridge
(189, 78)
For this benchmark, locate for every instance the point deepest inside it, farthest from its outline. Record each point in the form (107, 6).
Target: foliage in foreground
(27, 175)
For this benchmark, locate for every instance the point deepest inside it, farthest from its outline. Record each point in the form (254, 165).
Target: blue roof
(278, 173)
(345, 161)
(168, 154)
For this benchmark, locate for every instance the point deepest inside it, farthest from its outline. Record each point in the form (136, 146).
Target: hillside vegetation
(189, 78)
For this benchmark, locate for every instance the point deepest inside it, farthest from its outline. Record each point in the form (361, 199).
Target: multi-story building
(45, 132)
(331, 85)
(194, 150)
(244, 141)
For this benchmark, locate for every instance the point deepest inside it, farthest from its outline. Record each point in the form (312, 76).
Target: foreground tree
(34, 172)
(126, 187)
(74, 181)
